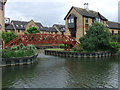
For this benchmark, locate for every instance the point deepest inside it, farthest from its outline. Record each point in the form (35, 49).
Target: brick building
(20, 27)
(78, 19)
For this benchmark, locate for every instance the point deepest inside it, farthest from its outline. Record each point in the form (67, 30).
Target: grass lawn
(60, 49)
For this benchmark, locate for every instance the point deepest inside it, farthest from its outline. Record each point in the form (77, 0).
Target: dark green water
(60, 72)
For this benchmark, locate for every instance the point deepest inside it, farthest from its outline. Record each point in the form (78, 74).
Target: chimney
(86, 6)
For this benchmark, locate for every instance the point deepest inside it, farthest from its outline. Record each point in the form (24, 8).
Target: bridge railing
(41, 38)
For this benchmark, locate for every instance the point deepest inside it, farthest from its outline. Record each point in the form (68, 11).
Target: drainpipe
(83, 25)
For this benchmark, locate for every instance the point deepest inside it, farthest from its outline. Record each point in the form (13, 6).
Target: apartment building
(78, 20)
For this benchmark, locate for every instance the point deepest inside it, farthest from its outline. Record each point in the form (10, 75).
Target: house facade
(20, 27)
(114, 27)
(78, 20)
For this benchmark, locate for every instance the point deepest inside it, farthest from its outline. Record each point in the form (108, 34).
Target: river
(63, 72)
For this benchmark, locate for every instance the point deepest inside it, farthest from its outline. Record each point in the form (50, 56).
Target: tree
(119, 38)
(8, 36)
(114, 38)
(33, 30)
(97, 38)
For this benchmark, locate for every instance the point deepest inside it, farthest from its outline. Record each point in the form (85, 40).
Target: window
(69, 21)
(112, 32)
(86, 25)
(22, 30)
(31, 26)
(99, 20)
(12, 30)
(72, 20)
(86, 20)
(21, 25)
(16, 25)
(118, 32)
(103, 22)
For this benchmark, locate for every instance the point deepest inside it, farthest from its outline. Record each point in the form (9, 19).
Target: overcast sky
(50, 12)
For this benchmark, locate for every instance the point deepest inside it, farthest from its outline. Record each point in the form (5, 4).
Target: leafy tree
(8, 36)
(97, 38)
(119, 38)
(114, 38)
(33, 30)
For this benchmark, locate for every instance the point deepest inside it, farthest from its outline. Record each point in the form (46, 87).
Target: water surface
(61, 72)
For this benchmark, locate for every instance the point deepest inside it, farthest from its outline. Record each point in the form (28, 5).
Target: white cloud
(50, 12)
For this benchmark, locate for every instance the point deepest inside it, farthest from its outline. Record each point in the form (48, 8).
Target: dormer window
(21, 25)
(16, 25)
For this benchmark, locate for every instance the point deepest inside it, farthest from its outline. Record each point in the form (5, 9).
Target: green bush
(97, 38)
(19, 51)
(119, 38)
(61, 45)
(114, 47)
(14, 47)
(77, 48)
(33, 30)
(114, 38)
(8, 36)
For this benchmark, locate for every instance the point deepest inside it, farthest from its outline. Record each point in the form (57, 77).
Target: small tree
(8, 36)
(97, 38)
(33, 30)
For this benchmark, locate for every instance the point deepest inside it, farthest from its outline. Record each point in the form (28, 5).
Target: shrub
(114, 47)
(8, 36)
(19, 51)
(119, 38)
(33, 30)
(114, 38)
(77, 48)
(97, 38)
(61, 45)
(14, 47)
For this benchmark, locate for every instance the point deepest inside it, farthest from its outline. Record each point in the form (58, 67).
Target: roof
(86, 13)
(20, 25)
(61, 28)
(49, 29)
(113, 25)
(9, 27)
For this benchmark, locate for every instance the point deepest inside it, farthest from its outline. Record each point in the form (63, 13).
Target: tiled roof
(9, 27)
(49, 29)
(87, 13)
(61, 28)
(20, 25)
(113, 25)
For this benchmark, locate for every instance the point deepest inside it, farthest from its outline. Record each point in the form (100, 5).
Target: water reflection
(60, 72)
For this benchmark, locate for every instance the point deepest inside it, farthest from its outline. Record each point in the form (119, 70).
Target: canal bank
(63, 72)
(59, 52)
(18, 61)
